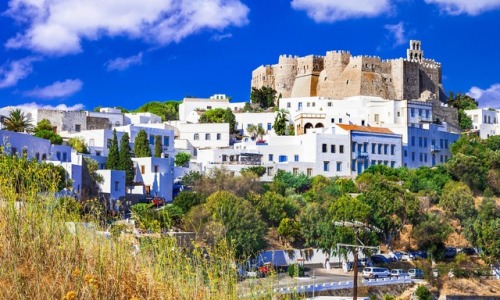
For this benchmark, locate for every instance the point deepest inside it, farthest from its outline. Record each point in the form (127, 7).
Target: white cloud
(470, 7)
(58, 89)
(337, 10)
(58, 27)
(33, 105)
(489, 97)
(120, 63)
(397, 32)
(15, 71)
(220, 37)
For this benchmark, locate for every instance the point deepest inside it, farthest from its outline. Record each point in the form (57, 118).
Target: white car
(374, 272)
(399, 273)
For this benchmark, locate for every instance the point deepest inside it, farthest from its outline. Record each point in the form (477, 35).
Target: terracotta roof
(365, 128)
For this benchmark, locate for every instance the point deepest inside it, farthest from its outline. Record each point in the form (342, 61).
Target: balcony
(424, 119)
(362, 155)
(435, 148)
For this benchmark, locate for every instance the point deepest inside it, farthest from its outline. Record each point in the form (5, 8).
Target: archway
(319, 125)
(307, 126)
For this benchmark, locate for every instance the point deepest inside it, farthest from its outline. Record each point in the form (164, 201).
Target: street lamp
(357, 227)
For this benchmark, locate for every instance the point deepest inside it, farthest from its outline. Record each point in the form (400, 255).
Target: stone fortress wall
(338, 75)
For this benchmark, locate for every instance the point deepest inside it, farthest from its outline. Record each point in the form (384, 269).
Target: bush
(295, 270)
(423, 293)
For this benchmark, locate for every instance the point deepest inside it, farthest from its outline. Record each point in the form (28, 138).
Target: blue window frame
(270, 157)
(166, 141)
(283, 158)
(296, 157)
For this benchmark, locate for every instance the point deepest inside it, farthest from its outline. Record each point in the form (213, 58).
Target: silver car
(397, 273)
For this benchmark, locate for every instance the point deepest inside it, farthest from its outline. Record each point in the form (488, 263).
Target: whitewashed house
(485, 121)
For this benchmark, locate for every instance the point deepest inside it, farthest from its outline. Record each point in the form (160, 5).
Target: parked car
(468, 251)
(379, 259)
(403, 256)
(416, 274)
(399, 273)
(450, 252)
(417, 254)
(375, 272)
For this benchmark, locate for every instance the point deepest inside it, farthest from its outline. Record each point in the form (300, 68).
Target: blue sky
(84, 53)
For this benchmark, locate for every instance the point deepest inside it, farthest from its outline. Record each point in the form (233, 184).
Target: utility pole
(357, 226)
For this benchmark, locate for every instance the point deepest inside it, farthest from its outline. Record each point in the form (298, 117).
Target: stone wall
(338, 75)
(98, 123)
(64, 120)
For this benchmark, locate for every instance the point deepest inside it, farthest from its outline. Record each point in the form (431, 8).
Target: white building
(246, 119)
(154, 176)
(331, 152)
(141, 118)
(193, 136)
(189, 108)
(114, 183)
(114, 116)
(486, 121)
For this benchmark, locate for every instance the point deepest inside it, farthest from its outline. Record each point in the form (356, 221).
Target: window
(373, 148)
(196, 136)
(156, 168)
(44, 155)
(207, 136)
(446, 144)
(269, 126)
(332, 148)
(425, 142)
(117, 186)
(98, 153)
(413, 156)
(420, 141)
(353, 146)
(295, 171)
(377, 118)
(288, 105)
(219, 136)
(405, 153)
(309, 171)
(385, 148)
(300, 106)
(412, 112)
(326, 166)
(413, 141)
(329, 104)
(333, 120)
(323, 148)
(282, 158)
(37, 156)
(143, 169)
(421, 157)
(58, 155)
(353, 165)
(425, 157)
(427, 113)
(270, 171)
(441, 143)
(340, 120)
(339, 166)
(379, 149)
(78, 127)
(166, 141)
(151, 139)
(398, 114)
(224, 157)
(341, 149)
(270, 157)
(393, 163)
(296, 157)
(419, 112)
(393, 148)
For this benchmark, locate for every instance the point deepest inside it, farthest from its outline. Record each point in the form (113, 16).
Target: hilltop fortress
(338, 75)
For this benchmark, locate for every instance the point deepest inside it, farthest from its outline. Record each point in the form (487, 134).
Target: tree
(423, 293)
(257, 170)
(168, 110)
(182, 159)
(462, 102)
(431, 233)
(113, 162)
(457, 200)
(17, 121)
(54, 138)
(265, 97)
(187, 199)
(280, 123)
(468, 169)
(219, 115)
(158, 146)
(275, 207)
(126, 164)
(242, 226)
(289, 229)
(141, 145)
(78, 143)
(255, 131)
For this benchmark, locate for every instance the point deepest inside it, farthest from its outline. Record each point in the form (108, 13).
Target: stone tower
(415, 52)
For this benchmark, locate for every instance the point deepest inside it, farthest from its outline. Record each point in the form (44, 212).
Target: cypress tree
(113, 155)
(126, 163)
(141, 145)
(158, 146)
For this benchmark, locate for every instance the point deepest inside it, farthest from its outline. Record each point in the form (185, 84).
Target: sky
(79, 54)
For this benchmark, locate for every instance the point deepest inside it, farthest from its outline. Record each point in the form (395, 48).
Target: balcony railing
(435, 148)
(361, 155)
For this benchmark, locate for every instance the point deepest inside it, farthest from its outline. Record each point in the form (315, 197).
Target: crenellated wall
(338, 75)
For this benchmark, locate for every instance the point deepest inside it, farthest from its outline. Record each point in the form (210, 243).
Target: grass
(40, 258)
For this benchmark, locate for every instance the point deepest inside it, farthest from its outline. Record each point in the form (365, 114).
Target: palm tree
(17, 121)
(255, 131)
